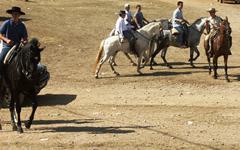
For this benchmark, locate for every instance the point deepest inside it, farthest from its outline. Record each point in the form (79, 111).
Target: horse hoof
(27, 125)
(96, 76)
(114, 64)
(170, 67)
(20, 130)
(133, 64)
(14, 127)
(151, 68)
(193, 65)
(117, 74)
(154, 63)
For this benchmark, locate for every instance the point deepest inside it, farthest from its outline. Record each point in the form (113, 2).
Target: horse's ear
(41, 49)
(226, 18)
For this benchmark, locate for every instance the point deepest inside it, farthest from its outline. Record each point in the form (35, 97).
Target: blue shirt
(177, 14)
(12, 31)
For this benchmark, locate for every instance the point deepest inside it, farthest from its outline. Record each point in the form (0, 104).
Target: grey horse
(168, 39)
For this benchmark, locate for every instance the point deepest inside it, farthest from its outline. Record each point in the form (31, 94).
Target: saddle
(175, 32)
(12, 53)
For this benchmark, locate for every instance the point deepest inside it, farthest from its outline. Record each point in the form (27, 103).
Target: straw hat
(212, 10)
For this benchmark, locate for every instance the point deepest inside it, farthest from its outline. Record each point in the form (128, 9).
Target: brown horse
(220, 46)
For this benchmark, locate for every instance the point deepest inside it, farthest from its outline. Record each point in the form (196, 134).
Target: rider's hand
(24, 42)
(139, 27)
(10, 42)
(207, 21)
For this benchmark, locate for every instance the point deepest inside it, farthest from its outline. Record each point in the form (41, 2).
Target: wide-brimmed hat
(212, 10)
(121, 12)
(15, 9)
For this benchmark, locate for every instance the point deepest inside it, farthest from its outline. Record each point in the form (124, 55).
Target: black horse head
(30, 58)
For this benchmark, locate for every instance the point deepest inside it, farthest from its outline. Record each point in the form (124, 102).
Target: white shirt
(177, 14)
(128, 16)
(120, 27)
(214, 23)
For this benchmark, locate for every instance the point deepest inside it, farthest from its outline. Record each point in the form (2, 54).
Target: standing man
(12, 32)
(124, 33)
(138, 17)
(178, 20)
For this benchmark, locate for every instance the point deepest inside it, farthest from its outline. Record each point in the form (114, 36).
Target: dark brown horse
(220, 47)
(21, 76)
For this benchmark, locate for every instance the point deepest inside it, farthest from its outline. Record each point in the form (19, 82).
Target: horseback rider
(212, 25)
(178, 20)
(12, 32)
(123, 31)
(128, 17)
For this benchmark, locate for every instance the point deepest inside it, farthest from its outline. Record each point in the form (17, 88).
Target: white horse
(111, 46)
(165, 26)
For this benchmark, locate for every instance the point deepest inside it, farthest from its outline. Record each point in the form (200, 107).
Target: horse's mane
(198, 20)
(148, 26)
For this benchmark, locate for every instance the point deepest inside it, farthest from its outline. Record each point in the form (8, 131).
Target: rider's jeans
(181, 31)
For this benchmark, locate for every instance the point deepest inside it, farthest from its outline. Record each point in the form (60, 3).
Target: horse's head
(225, 27)
(31, 57)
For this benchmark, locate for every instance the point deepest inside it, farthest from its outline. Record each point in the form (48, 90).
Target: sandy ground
(179, 108)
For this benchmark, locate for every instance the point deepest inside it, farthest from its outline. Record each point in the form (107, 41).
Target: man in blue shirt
(12, 32)
(178, 20)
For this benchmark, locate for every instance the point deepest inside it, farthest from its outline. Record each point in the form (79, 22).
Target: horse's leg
(100, 64)
(163, 55)
(192, 50)
(18, 109)
(12, 114)
(139, 62)
(131, 61)
(146, 60)
(226, 68)
(0, 125)
(111, 64)
(159, 48)
(215, 66)
(112, 58)
(34, 107)
(209, 64)
(153, 56)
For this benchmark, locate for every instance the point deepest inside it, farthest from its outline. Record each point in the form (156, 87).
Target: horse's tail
(98, 56)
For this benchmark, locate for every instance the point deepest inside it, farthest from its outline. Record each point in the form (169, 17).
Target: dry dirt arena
(179, 108)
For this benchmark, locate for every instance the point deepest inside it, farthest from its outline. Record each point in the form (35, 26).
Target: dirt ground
(179, 108)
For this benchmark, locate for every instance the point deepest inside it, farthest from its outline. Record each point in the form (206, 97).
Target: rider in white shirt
(123, 31)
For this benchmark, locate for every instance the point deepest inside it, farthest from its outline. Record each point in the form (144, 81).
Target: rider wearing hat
(12, 32)
(212, 25)
(123, 31)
